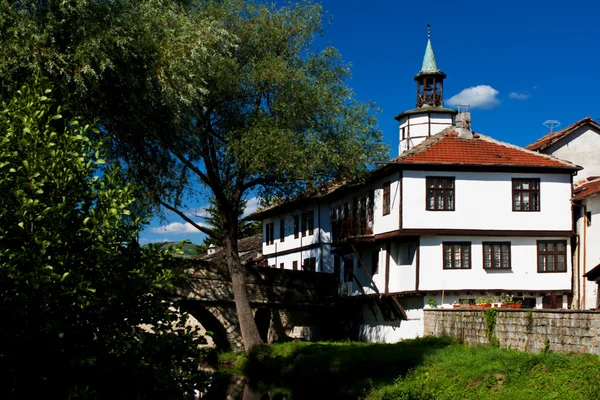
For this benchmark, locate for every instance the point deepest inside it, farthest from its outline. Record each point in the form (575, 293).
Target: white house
(455, 216)
(580, 144)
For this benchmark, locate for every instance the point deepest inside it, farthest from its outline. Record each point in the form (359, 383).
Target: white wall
(523, 274)
(591, 235)
(580, 147)
(300, 255)
(375, 329)
(387, 223)
(417, 127)
(402, 267)
(483, 200)
(289, 241)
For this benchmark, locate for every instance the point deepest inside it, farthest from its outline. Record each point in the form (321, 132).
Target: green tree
(246, 228)
(229, 95)
(75, 288)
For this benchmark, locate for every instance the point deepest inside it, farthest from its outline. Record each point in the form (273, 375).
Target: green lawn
(426, 368)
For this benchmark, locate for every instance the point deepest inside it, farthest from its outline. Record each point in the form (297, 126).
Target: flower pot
(456, 306)
(505, 306)
(514, 305)
(484, 306)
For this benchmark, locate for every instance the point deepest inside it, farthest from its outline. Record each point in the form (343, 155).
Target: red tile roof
(553, 137)
(448, 148)
(586, 188)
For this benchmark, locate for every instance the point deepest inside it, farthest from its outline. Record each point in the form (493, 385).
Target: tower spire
(430, 80)
(429, 62)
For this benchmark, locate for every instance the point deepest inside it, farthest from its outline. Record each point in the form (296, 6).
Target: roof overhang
(593, 274)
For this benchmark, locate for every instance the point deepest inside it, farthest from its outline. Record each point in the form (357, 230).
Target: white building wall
(591, 254)
(523, 274)
(375, 329)
(403, 262)
(580, 147)
(390, 222)
(414, 128)
(483, 200)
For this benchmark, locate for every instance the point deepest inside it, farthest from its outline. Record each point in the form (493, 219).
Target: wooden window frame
(386, 198)
(554, 253)
(270, 233)
(310, 220)
(296, 226)
(443, 191)
(520, 192)
(492, 245)
(452, 254)
(282, 230)
(295, 265)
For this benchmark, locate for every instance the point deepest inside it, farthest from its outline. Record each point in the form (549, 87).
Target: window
(310, 264)
(281, 265)
(310, 218)
(270, 233)
(526, 194)
(295, 265)
(282, 230)
(296, 226)
(375, 262)
(386, 198)
(440, 193)
(457, 255)
(308, 222)
(370, 203)
(552, 255)
(496, 255)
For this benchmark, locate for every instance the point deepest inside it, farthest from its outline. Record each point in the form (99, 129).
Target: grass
(462, 372)
(420, 369)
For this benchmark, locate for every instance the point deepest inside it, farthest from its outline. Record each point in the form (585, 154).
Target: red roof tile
(448, 148)
(553, 137)
(586, 188)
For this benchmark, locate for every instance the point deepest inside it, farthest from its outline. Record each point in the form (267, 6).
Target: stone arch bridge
(286, 304)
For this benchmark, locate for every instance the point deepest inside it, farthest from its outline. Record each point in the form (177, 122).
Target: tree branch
(208, 231)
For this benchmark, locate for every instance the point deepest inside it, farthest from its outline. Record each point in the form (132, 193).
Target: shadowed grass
(346, 369)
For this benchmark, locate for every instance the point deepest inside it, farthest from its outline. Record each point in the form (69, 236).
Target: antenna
(551, 123)
(463, 107)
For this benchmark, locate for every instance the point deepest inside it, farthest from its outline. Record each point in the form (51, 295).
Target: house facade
(579, 143)
(456, 216)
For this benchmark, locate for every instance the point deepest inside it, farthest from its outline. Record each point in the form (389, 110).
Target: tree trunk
(250, 336)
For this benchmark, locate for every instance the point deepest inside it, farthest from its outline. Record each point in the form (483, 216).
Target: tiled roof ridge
(552, 137)
(525, 150)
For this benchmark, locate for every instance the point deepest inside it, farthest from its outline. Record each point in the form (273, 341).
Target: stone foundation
(525, 330)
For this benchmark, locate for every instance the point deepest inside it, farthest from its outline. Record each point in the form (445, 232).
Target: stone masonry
(525, 330)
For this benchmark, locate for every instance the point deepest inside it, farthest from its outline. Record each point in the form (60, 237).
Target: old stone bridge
(286, 304)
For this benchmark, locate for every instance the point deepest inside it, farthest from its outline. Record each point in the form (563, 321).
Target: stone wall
(526, 330)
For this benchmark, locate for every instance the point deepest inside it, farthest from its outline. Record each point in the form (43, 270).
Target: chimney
(463, 125)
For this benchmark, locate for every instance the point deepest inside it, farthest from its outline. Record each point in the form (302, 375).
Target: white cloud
(251, 205)
(518, 96)
(175, 228)
(199, 212)
(481, 96)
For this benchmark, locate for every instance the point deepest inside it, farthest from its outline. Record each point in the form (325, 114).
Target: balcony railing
(351, 226)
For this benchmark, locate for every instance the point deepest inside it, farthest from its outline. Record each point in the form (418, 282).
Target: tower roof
(429, 62)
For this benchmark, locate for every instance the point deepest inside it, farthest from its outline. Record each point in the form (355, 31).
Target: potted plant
(507, 301)
(432, 303)
(484, 302)
(516, 304)
(456, 304)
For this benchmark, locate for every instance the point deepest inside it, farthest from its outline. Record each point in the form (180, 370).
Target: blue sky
(530, 61)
